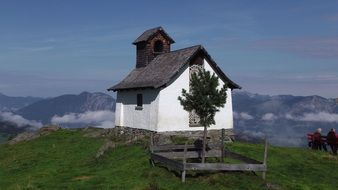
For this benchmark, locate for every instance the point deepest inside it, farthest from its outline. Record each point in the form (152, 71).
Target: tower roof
(148, 34)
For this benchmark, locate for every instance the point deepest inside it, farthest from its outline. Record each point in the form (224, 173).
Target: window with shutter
(139, 101)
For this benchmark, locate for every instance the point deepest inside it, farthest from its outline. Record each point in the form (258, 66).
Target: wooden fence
(175, 157)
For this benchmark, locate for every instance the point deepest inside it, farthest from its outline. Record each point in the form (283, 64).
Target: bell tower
(151, 43)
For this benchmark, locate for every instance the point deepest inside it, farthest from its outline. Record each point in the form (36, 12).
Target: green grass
(66, 160)
(295, 168)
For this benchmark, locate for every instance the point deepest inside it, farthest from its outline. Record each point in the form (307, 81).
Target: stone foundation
(172, 136)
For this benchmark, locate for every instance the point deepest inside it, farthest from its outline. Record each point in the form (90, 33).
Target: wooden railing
(175, 157)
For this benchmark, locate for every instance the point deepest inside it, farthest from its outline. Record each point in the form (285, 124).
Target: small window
(158, 46)
(139, 100)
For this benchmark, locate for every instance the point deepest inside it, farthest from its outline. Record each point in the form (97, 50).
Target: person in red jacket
(332, 140)
(317, 140)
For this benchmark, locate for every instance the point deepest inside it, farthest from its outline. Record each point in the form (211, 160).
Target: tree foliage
(204, 97)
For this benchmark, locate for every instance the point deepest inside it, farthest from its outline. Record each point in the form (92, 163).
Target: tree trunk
(204, 143)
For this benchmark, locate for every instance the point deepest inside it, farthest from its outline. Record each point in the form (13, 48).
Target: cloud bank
(18, 120)
(269, 117)
(323, 117)
(243, 116)
(102, 119)
(315, 117)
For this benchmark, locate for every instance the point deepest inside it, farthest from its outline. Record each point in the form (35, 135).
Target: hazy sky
(49, 48)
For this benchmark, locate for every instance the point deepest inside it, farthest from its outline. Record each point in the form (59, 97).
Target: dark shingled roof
(164, 67)
(150, 33)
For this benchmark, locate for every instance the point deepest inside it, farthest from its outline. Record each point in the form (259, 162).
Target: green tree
(204, 98)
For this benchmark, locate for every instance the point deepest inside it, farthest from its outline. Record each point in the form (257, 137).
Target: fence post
(151, 148)
(184, 162)
(151, 142)
(222, 145)
(265, 158)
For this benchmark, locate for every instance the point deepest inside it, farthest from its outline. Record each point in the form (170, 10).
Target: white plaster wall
(118, 110)
(127, 115)
(172, 116)
(223, 118)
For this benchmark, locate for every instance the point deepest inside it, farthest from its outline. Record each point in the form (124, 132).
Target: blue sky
(49, 48)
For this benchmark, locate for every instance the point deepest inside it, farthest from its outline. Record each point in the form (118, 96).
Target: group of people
(331, 139)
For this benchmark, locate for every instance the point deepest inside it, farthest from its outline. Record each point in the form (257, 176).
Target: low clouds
(243, 116)
(247, 134)
(18, 120)
(323, 117)
(269, 117)
(102, 119)
(280, 139)
(315, 117)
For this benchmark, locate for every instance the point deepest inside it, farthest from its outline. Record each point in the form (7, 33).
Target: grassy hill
(9, 129)
(66, 160)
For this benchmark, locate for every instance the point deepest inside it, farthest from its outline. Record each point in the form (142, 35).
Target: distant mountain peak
(8, 103)
(70, 103)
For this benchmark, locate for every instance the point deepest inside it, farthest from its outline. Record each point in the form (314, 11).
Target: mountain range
(44, 110)
(283, 119)
(12, 104)
(18, 114)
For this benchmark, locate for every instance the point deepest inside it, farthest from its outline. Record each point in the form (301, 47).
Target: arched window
(194, 119)
(158, 46)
